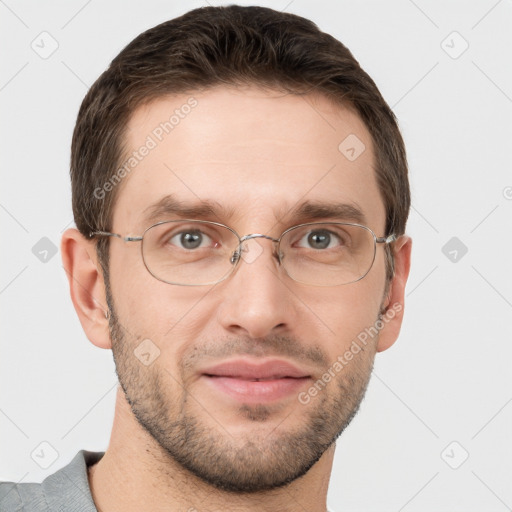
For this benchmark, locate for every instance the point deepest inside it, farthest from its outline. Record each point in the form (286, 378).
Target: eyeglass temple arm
(386, 239)
(124, 238)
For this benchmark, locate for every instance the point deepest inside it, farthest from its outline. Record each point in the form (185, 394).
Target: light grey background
(447, 378)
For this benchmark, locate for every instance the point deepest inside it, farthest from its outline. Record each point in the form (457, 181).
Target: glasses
(197, 253)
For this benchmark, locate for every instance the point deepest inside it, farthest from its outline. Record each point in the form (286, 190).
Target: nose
(257, 301)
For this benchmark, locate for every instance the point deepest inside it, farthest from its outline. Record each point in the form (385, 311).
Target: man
(240, 191)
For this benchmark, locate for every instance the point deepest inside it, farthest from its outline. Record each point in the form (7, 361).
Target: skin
(257, 153)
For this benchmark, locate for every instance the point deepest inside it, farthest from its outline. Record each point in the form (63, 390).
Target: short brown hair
(229, 45)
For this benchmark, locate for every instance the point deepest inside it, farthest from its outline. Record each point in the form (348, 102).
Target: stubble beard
(256, 463)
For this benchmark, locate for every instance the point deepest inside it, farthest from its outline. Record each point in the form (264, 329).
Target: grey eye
(191, 239)
(319, 239)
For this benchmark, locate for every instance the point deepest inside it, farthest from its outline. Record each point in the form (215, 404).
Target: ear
(86, 286)
(394, 302)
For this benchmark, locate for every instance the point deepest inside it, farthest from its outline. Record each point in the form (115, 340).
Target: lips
(256, 381)
(252, 371)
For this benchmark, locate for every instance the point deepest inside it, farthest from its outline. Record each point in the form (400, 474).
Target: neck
(136, 474)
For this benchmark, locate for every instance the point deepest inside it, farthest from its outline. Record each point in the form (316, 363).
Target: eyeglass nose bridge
(235, 257)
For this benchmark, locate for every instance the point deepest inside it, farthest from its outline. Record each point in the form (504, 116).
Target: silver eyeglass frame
(236, 256)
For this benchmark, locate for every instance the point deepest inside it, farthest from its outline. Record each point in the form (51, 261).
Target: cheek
(139, 297)
(169, 315)
(131, 295)
(337, 316)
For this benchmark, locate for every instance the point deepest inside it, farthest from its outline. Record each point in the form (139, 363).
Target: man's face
(257, 156)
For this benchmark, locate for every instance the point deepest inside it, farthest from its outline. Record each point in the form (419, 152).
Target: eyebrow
(169, 206)
(309, 210)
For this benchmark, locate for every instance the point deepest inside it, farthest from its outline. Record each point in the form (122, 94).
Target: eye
(192, 239)
(320, 239)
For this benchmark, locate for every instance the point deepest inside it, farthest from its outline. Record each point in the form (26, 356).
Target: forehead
(254, 155)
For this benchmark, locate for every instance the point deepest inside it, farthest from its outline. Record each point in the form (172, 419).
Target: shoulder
(65, 490)
(21, 497)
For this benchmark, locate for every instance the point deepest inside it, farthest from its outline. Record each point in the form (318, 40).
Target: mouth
(256, 382)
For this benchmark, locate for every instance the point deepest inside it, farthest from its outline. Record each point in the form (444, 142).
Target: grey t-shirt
(66, 490)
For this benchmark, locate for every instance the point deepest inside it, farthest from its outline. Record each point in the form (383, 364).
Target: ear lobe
(394, 305)
(86, 286)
